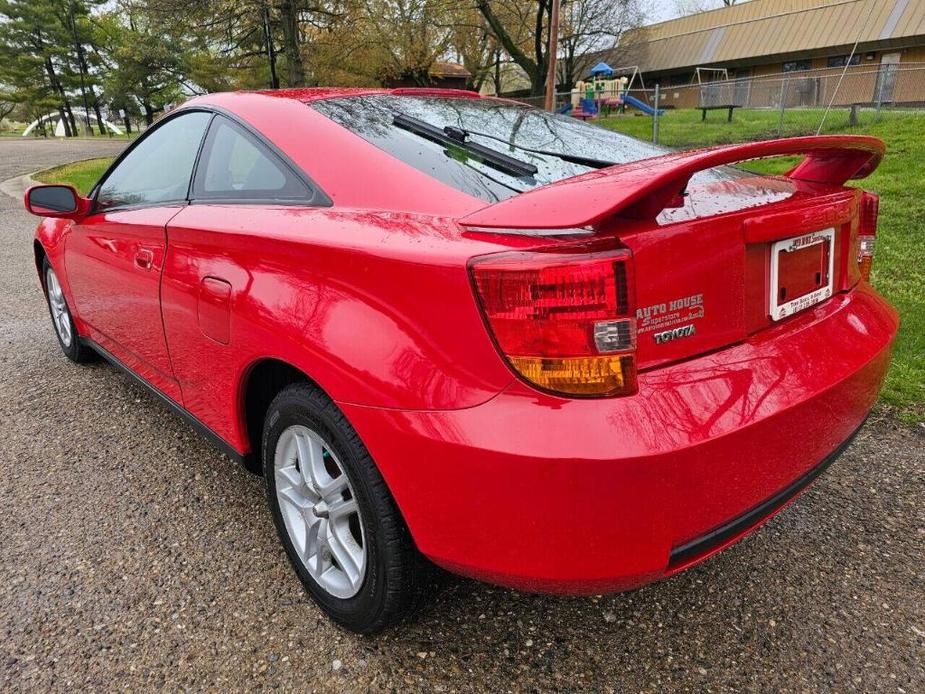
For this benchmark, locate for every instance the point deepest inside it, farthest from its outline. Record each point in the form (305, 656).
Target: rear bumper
(722, 536)
(586, 496)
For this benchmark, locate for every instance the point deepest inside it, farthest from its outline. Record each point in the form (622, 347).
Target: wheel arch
(40, 255)
(261, 382)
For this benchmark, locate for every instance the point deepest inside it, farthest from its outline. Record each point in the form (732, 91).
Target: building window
(842, 60)
(797, 66)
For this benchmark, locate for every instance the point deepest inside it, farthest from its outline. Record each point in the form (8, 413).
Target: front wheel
(61, 319)
(336, 519)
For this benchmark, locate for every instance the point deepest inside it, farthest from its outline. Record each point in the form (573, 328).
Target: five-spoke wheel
(337, 521)
(59, 313)
(61, 318)
(320, 511)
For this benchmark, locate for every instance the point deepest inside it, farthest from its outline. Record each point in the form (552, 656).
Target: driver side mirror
(59, 201)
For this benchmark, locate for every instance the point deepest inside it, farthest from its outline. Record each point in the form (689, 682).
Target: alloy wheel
(320, 511)
(59, 313)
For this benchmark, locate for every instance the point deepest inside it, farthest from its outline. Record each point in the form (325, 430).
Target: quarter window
(235, 166)
(158, 169)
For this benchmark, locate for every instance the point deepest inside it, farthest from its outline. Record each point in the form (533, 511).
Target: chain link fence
(756, 108)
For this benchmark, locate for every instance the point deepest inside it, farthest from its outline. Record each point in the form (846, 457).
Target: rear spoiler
(642, 189)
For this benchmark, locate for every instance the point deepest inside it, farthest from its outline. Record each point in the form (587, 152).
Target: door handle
(144, 258)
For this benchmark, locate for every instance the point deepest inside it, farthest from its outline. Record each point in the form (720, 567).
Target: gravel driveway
(132, 555)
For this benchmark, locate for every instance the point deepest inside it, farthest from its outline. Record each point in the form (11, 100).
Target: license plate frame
(783, 309)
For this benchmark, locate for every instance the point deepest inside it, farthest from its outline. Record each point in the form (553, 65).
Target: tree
(589, 27)
(226, 44)
(521, 29)
(142, 58)
(7, 104)
(77, 20)
(35, 55)
(409, 37)
(475, 47)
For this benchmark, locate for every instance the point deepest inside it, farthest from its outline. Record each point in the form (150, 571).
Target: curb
(16, 187)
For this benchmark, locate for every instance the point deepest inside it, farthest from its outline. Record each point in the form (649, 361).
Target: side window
(159, 168)
(235, 166)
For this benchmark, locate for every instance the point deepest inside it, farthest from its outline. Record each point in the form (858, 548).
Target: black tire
(395, 574)
(73, 349)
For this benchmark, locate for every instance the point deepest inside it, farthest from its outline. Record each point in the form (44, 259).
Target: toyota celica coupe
(460, 331)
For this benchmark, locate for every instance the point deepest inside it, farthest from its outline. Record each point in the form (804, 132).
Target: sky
(660, 10)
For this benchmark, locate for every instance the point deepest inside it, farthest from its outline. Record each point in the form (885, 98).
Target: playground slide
(587, 105)
(641, 105)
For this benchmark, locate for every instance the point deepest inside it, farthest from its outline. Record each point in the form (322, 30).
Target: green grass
(899, 266)
(80, 174)
(684, 128)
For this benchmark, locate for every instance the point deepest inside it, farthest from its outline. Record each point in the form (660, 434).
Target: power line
(841, 77)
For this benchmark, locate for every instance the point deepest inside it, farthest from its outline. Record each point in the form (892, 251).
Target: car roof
(351, 171)
(310, 94)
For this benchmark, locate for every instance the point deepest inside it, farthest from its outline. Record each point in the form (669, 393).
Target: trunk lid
(711, 255)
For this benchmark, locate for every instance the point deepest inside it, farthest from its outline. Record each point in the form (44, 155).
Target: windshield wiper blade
(454, 137)
(571, 158)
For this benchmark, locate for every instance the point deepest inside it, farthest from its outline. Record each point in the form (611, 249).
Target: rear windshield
(556, 146)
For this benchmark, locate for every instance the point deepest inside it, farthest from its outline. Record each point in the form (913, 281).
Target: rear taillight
(867, 233)
(564, 321)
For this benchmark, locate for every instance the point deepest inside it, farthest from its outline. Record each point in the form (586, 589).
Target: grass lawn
(80, 174)
(684, 128)
(899, 266)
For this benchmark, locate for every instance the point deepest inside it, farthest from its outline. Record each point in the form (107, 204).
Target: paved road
(24, 155)
(132, 556)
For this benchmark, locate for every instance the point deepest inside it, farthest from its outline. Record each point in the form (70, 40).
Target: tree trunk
(67, 126)
(128, 124)
(271, 49)
(84, 73)
(86, 85)
(570, 67)
(70, 115)
(96, 110)
(70, 126)
(537, 85)
(290, 19)
(149, 113)
(536, 72)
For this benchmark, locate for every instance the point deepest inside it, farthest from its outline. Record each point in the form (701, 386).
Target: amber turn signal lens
(588, 376)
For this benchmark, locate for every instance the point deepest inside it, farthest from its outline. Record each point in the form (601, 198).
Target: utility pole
(551, 56)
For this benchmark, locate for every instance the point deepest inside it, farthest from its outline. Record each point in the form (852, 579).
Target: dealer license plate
(801, 272)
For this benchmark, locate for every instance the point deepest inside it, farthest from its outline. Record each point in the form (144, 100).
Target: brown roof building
(769, 53)
(767, 36)
(441, 74)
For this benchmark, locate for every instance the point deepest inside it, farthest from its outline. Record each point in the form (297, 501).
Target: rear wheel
(336, 519)
(61, 319)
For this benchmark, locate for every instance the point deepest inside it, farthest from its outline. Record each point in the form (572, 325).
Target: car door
(115, 256)
(243, 188)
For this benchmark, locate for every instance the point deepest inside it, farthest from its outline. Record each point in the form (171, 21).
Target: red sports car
(528, 349)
